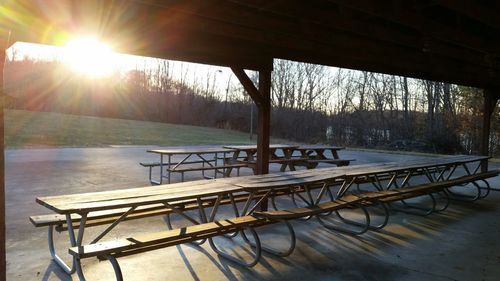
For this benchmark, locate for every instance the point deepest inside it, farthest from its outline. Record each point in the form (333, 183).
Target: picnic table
(111, 208)
(77, 212)
(316, 155)
(194, 159)
(250, 154)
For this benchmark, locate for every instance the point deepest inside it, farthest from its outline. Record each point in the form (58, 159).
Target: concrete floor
(461, 243)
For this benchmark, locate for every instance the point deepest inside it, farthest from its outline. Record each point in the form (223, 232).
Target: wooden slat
(254, 147)
(190, 169)
(284, 180)
(82, 207)
(132, 192)
(85, 202)
(284, 160)
(295, 213)
(47, 220)
(176, 236)
(155, 164)
(195, 150)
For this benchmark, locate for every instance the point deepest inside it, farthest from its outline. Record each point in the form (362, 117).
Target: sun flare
(90, 57)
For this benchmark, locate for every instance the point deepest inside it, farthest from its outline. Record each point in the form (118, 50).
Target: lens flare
(90, 57)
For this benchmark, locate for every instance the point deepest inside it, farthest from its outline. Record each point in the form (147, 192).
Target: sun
(90, 57)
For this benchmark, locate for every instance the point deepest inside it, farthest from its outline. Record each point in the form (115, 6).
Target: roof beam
(476, 10)
(388, 57)
(398, 12)
(277, 23)
(321, 20)
(351, 46)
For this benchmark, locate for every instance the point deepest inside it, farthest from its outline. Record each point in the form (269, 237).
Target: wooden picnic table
(80, 208)
(126, 202)
(250, 152)
(85, 203)
(206, 156)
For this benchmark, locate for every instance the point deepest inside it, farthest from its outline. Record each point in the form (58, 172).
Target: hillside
(46, 129)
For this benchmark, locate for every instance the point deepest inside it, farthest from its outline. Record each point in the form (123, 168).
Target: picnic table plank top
(95, 201)
(319, 147)
(409, 165)
(254, 147)
(331, 174)
(289, 178)
(193, 150)
(107, 200)
(284, 179)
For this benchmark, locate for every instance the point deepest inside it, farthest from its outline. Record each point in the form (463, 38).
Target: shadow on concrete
(54, 269)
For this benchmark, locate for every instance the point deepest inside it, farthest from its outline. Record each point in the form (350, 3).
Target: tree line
(311, 103)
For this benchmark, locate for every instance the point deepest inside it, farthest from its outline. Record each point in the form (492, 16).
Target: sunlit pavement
(458, 244)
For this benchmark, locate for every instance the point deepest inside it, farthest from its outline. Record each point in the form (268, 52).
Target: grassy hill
(40, 129)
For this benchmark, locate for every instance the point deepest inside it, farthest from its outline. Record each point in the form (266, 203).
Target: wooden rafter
(249, 86)
(399, 12)
(486, 13)
(328, 21)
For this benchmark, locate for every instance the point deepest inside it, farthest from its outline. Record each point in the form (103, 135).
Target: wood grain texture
(207, 150)
(166, 238)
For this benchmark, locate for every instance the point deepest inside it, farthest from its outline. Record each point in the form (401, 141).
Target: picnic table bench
(79, 211)
(315, 154)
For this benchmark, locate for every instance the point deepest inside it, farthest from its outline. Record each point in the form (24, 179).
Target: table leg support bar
(111, 259)
(287, 252)
(68, 269)
(420, 210)
(385, 219)
(364, 227)
(470, 198)
(257, 251)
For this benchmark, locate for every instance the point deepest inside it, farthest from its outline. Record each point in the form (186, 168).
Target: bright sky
(96, 60)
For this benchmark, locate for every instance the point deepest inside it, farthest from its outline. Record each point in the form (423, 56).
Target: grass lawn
(46, 129)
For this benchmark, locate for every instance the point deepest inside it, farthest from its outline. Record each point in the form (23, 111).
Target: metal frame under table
(251, 151)
(317, 152)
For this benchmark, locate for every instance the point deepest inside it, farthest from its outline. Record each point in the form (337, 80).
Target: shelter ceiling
(444, 40)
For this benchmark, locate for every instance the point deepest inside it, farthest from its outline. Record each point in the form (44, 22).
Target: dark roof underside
(443, 40)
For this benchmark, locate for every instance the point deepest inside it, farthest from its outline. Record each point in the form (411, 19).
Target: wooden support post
(263, 122)
(262, 98)
(490, 101)
(263, 127)
(3, 251)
